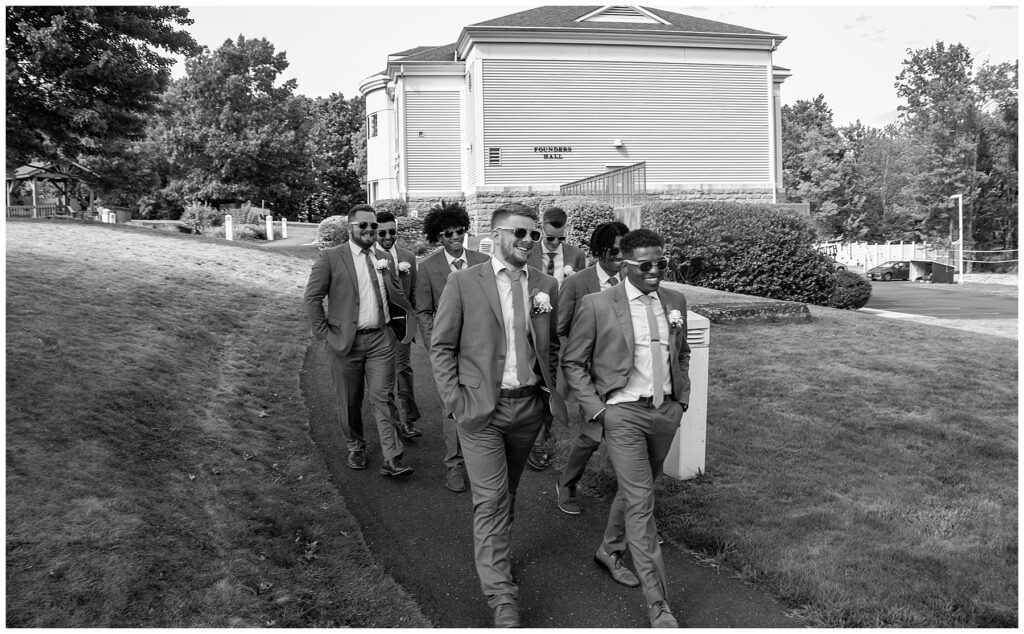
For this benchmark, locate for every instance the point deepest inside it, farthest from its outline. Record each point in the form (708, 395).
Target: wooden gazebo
(65, 175)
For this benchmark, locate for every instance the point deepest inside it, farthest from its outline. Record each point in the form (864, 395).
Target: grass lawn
(862, 470)
(159, 468)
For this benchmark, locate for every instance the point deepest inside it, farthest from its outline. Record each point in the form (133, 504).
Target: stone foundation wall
(709, 193)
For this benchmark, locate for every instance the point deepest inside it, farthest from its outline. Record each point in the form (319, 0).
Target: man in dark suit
(366, 314)
(604, 245)
(446, 224)
(404, 263)
(627, 361)
(494, 353)
(560, 260)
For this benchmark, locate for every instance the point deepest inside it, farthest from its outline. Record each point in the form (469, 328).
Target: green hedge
(399, 208)
(851, 291)
(743, 248)
(332, 231)
(410, 236)
(582, 215)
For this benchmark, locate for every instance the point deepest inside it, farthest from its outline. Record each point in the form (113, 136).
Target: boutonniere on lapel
(381, 264)
(568, 270)
(403, 268)
(541, 303)
(675, 319)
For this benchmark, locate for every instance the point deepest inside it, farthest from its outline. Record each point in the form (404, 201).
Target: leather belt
(646, 401)
(520, 392)
(366, 331)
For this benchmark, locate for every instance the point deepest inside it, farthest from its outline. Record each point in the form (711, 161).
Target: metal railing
(38, 211)
(620, 187)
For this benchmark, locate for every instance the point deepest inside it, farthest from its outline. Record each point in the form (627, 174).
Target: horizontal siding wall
(691, 123)
(432, 146)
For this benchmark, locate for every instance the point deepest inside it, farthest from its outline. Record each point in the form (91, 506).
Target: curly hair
(638, 239)
(444, 216)
(604, 236)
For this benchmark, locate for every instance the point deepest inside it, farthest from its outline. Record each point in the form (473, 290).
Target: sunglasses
(612, 251)
(455, 232)
(383, 233)
(553, 238)
(521, 233)
(647, 265)
(364, 224)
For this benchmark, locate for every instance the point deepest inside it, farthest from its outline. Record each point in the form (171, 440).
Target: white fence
(862, 254)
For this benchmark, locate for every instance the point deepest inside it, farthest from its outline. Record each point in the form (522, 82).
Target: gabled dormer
(618, 13)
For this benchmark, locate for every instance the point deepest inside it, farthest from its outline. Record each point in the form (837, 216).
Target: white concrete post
(270, 227)
(284, 228)
(487, 246)
(685, 459)
(229, 227)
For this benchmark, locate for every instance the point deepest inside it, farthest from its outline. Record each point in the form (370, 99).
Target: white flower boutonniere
(381, 264)
(675, 319)
(568, 270)
(541, 303)
(403, 267)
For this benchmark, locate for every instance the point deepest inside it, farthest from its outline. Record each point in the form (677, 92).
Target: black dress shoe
(409, 431)
(506, 615)
(395, 469)
(456, 479)
(356, 459)
(538, 460)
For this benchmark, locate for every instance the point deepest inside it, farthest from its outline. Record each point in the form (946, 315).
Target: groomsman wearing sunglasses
(404, 263)
(366, 315)
(494, 354)
(627, 361)
(560, 260)
(446, 224)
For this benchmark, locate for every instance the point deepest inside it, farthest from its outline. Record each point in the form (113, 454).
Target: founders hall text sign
(552, 151)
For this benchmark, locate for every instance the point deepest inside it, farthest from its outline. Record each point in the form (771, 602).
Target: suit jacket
(468, 346)
(334, 276)
(571, 256)
(430, 280)
(571, 292)
(598, 358)
(408, 279)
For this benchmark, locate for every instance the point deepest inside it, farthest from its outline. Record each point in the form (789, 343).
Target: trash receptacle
(123, 215)
(686, 457)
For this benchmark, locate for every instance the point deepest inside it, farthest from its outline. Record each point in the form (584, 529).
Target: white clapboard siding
(432, 150)
(471, 152)
(691, 123)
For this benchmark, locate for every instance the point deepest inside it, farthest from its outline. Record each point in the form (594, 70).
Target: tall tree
(996, 220)
(335, 145)
(79, 77)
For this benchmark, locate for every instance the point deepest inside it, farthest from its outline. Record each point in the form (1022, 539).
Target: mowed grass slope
(861, 469)
(159, 470)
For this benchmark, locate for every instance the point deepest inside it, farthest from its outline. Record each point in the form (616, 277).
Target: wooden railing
(38, 211)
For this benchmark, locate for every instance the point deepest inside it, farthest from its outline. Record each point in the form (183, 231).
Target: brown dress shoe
(660, 615)
(506, 615)
(356, 459)
(456, 479)
(395, 469)
(409, 431)
(613, 562)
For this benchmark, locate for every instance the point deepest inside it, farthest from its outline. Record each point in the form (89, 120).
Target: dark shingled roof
(444, 53)
(413, 51)
(564, 17)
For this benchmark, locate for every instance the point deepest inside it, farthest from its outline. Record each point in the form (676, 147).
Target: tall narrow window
(494, 156)
(373, 124)
(374, 192)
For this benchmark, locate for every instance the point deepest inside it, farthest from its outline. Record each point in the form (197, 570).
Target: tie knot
(514, 275)
(645, 298)
(613, 280)
(458, 263)
(365, 252)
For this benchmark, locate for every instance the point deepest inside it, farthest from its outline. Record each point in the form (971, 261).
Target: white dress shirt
(603, 279)
(451, 260)
(641, 380)
(510, 374)
(367, 307)
(559, 262)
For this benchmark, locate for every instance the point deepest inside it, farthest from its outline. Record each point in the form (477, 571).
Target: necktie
(376, 287)
(551, 263)
(657, 363)
(458, 264)
(613, 280)
(519, 327)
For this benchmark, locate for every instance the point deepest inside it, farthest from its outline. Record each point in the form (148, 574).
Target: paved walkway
(421, 534)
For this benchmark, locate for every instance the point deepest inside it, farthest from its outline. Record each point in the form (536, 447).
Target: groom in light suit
(494, 351)
(627, 361)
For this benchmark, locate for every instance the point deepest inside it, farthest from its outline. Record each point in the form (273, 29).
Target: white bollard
(487, 246)
(685, 459)
(270, 227)
(229, 227)
(284, 228)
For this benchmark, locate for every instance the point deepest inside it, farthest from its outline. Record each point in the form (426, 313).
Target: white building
(526, 103)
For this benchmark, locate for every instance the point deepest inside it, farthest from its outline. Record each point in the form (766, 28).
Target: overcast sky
(851, 54)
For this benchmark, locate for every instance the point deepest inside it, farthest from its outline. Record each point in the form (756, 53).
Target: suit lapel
(621, 305)
(594, 281)
(489, 285)
(349, 263)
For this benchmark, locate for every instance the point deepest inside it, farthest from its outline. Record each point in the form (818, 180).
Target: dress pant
(370, 362)
(404, 396)
(583, 447)
(637, 437)
(495, 458)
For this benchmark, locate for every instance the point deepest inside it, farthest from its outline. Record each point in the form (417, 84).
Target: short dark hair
(385, 216)
(443, 216)
(512, 209)
(604, 236)
(352, 212)
(555, 216)
(638, 239)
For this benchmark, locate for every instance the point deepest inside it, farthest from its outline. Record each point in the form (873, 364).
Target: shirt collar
(394, 252)
(448, 256)
(358, 250)
(558, 249)
(633, 292)
(602, 277)
(499, 266)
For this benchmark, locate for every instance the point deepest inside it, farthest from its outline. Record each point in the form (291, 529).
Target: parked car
(895, 270)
